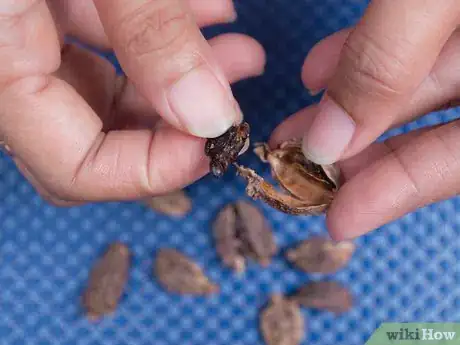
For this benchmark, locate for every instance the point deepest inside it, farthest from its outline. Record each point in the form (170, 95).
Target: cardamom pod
(281, 322)
(241, 231)
(321, 255)
(174, 204)
(307, 188)
(325, 295)
(177, 273)
(107, 281)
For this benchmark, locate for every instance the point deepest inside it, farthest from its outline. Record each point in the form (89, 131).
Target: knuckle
(411, 186)
(154, 28)
(50, 192)
(372, 69)
(162, 178)
(55, 201)
(58, 192)
(444, 169)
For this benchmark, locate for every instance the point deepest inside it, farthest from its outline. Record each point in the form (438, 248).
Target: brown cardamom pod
(107, 281)
(177, 273)
(241, 231)
(321, 255)
(282, 323)
(308, 188)
(327, 295)
(174, 204)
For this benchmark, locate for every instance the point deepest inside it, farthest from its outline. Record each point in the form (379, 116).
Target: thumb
(385, 58)
(164, 54)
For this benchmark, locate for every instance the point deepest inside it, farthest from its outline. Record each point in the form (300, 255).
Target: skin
(79, 138)
(77, 131)
(398, 63)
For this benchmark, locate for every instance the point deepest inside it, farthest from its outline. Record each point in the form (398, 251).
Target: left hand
(77, 131)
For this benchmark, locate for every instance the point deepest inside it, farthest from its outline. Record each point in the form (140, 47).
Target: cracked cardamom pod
(107, 281)
(241, 231)
(281, 322)
(321, 255)
(307, 188)
(174, 204)
(177, 273)
(326, 295)
(225, 149)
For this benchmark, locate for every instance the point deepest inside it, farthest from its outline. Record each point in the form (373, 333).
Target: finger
(29, 43)
(165, 55)
(423, 171)
(240, 56)
(44, 193)
(322, 61)
(213, 12)
(439, 88)
(352, 166)
(92, 76)
(59, 139)
(5, 149)
(81, 20)
(117, 101)
(377, 73)
(295, 125)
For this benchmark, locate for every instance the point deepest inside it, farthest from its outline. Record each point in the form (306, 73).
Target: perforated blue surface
(406, 271)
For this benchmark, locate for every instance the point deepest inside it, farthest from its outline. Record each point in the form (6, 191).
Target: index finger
(419, 170)
(163, 52)
(383, 61)
(58, 137)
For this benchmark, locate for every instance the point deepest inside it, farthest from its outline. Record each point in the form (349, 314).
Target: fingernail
(329, 134)
(201, 103)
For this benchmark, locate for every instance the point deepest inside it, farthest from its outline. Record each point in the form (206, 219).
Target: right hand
(399, 62)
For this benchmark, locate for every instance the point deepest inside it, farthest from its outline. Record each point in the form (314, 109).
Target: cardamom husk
(306, 188)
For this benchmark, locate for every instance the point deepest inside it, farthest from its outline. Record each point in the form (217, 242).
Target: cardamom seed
(225, 149)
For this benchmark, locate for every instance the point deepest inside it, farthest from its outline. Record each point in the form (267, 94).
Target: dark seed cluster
(225, 149)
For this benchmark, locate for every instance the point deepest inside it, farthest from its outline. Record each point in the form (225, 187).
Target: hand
(402, 60)
(80, 133)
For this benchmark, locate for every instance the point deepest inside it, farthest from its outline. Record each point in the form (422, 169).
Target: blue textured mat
(406, 271)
